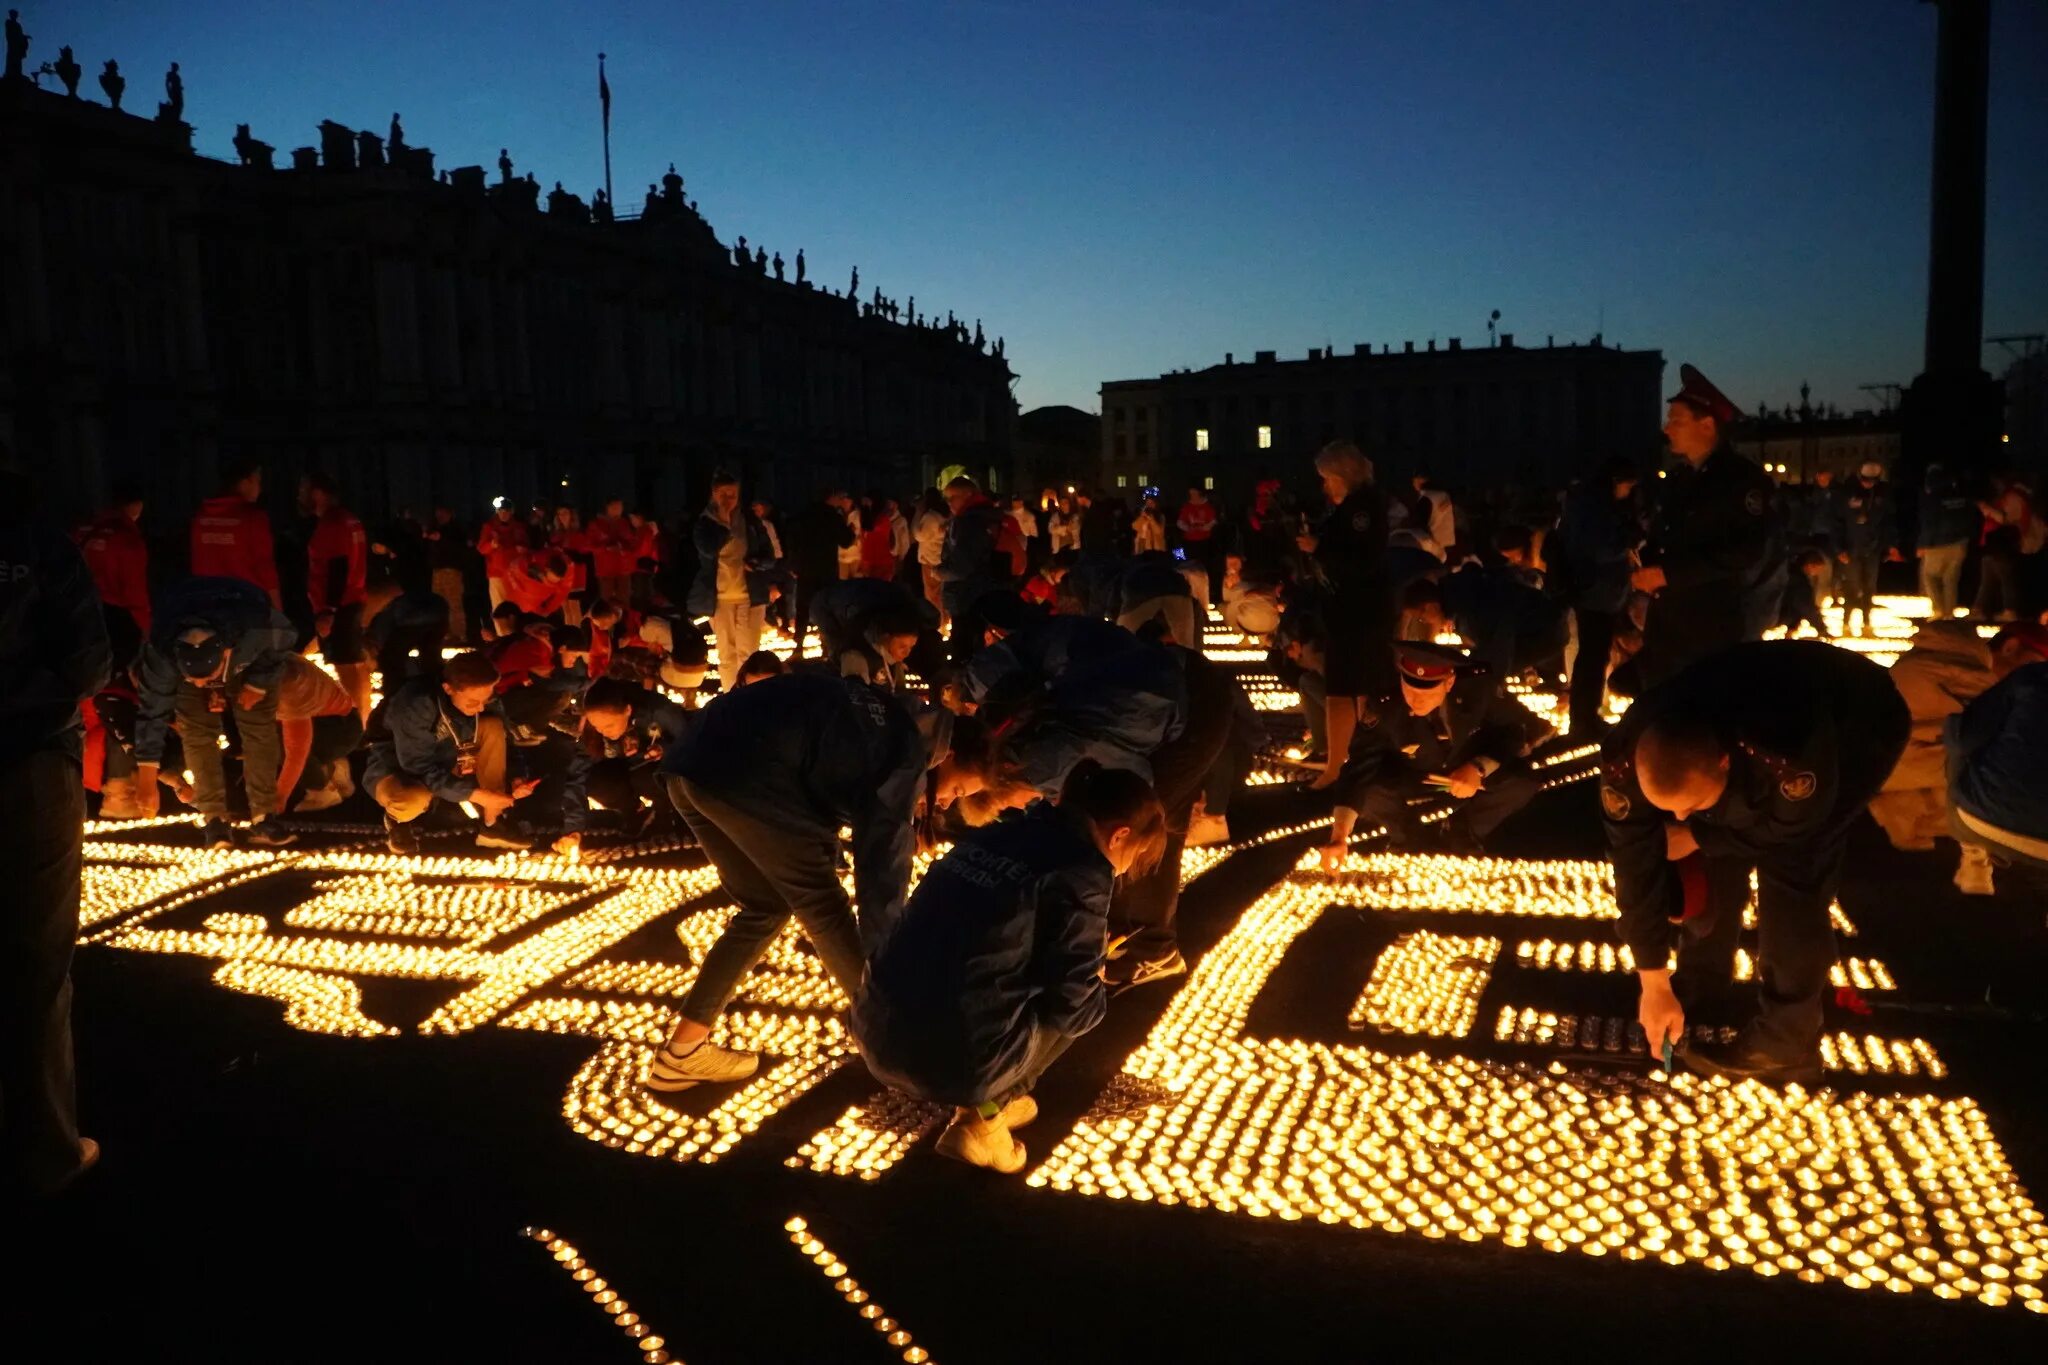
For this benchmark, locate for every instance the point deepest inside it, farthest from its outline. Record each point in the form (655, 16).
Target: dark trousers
(1998, 579)
(620, 783)
(1589, 670)
(774, 868)
(1507, 791)
(1858, 579)
(1144, 907)
(1047, 1045)
(42, 818)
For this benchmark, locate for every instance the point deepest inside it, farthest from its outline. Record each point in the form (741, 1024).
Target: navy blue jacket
(1866, 518)
(258, 638)
(657, 727)
(709, 536)
(1147, 576)
(53, 638)
(1004, 938)
(814, 753)
(1594, 537)
(417, 733)
(1947, 515)
(1511, 623)
(1116, 710)
(1045, 651)
(1998, 754)
(968, 564)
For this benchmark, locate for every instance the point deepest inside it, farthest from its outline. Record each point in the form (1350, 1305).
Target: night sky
(1123, 188)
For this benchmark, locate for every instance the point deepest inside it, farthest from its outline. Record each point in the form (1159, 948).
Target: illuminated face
(957, 499)
(896, 648)
(1687, 794)
(614, 508)
(610, 724)
(1691, 435)
(725, 497)
(1334, 487)
(955, 781)
(1423, 700)
(470, 701)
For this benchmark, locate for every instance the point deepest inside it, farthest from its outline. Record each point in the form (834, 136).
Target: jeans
(1941, 576)
(774, 868)
(736, 628)
(42, 821)
(1047, 1045)
(199, 731)
(1858, 581)
(448, 587)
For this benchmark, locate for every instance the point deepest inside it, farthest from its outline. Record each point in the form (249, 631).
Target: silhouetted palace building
(434, 339)
(1470, 417)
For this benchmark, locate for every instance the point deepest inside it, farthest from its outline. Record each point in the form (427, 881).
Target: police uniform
(1811, 733)
(1351, 547)
(1717, 538)
(1394, 754)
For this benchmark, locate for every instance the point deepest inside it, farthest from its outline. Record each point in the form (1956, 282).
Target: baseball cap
(198, 653)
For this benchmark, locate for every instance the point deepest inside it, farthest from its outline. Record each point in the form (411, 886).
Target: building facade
(1794, 445)
(432, 339)
(1499, 416)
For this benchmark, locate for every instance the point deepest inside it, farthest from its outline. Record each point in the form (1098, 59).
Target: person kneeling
(443, 738)
(995, 967)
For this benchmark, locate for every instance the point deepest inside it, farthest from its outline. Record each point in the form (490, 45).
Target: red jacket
(516, 657)
(525, 587)
(118, 557)
(574, 543)
(877, 551)
(231, 539)
(646, 544)
(611, 541)
(501, 542)
(337, 535)
(1197, 521)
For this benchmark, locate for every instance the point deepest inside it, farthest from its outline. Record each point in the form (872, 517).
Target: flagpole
(605, 96)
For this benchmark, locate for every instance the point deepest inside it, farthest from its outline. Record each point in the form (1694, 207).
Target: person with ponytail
(995, 966)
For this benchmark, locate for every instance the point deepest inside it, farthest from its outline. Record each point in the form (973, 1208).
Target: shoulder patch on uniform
(1798, 786)
(1753, 502)
(1614, 802)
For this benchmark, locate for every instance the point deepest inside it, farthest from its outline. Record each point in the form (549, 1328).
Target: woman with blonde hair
(1351, 549)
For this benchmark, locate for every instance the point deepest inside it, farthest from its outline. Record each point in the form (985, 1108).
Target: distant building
(433, 340)
(2026, 413)
(1795, 444)
(1057, 446)
(1501, 415)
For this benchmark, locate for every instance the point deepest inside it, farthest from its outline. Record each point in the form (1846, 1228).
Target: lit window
(1265, 438)
(1143, 481)
(1123, 481)
(1209, 483)
(1201, 438)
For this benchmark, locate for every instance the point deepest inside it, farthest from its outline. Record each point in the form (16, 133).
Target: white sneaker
(343, 782)
(1018, 1112)
(705, 1063)
(1973, 874)
(320, 798)
(982, 1142)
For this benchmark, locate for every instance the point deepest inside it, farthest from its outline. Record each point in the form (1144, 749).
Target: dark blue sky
(1123, 188)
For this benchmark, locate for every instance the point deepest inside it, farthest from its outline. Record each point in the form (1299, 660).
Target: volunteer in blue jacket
(766, 781)
(628, 731)
(1949, 518)
(1998, 799)
(878, 631)
(217, 647)
(996, 965)
(446, 739)
(737, 576)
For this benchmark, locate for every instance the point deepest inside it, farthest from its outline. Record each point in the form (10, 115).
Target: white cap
(1871, 470)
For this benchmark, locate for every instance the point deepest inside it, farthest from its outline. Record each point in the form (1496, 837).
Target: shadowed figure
(68, 71)
(600, 207)
(504, 165)
(249, 150)
(799, 265)
(778, 265)
(396, 142)
(174, 95)
(113, 82)
(17, 45)
(741, 257)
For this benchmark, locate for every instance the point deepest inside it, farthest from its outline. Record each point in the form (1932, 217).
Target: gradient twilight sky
(1123, 187)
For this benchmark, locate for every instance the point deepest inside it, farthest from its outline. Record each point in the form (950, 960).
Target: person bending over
(996, 965)
(627, 732)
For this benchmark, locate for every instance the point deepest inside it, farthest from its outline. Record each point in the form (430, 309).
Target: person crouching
(442, 738)
(995, 967)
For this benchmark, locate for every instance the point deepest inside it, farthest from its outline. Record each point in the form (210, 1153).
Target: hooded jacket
(258, 640)
(1003, 938)
(709, 536)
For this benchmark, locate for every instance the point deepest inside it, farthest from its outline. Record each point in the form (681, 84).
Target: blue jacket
(1147, 576)
(1947, 515)
(417, 733)
(1044, 651)
(813, 753)
(1998, 753)
(258, 638)
(840, 610)
(1511, 623)
(709, 536)
(968, 564)
(1116, 710)
(1004, 938)
(1865, 516)
(658, 727)
(1595, 536)
(53, 638)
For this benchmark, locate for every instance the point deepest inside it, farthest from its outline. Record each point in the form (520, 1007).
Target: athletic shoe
(268, 834)
(1973, 874)
(1018, 1112)
(343, 781)
(982, 1142)
(1126, 972)
(401, 838)
(217, 833)
(500, 836)
(1741, 1061)
(706, 1063)
(320, 798)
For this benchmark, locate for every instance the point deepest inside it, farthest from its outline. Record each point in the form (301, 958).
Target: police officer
(1715, 544)
(1453, 732)
(1761, 757)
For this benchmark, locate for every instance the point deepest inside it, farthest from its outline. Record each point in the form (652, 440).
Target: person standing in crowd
(848, 558)
(1103, 529)
(231, 533)
(877, 543)
(611, 539)
(53, 656)
(1063, 525)
(1148, 528)
(337, 583)
(765, 781)
(502, 541)
(646, 559)
(732, 585)
(318, 728)
(1997, 752)
(1711, 541)
(1761, 757)
(1432, 512)
(817, 542)
(1868, 539)
(976, 559)
(2013, 535)
(1358, 617)
(781, 603)
(566, 538)
(448, 558)
(996, 965)
(1027, 529)
(1590, 558)
(901, 542)
(218, 648)
(1948, 518)
(117, 555)
(930, 533)
(1197, 525)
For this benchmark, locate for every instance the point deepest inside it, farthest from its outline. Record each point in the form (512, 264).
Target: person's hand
(1650, 579)
(1306, 543)
(323, 624)
(524, 787)
(630, 745)
(652, 753)
(568, 845)
(1465, 781)
(248, 698)
(1332, 855)
(1919, 552)
(1327, 780)
(1660, 1013)
(1679, 842)
(1892, 556)
(146, 795)
(490, 802)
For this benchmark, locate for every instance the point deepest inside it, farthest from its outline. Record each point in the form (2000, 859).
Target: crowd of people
(1020, 681)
